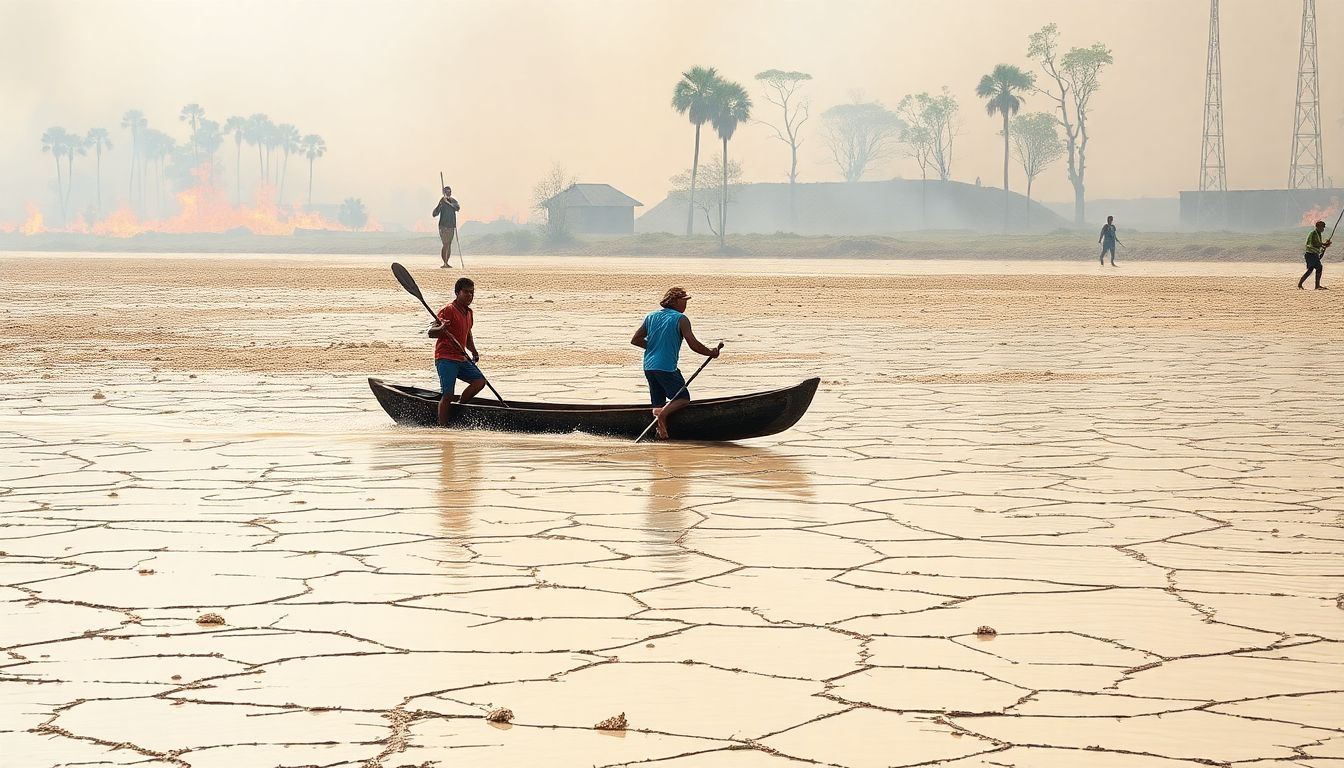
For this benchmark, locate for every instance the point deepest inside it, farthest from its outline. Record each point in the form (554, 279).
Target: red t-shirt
(459, 325)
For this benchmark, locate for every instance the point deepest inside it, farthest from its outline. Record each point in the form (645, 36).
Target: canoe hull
(718, 419)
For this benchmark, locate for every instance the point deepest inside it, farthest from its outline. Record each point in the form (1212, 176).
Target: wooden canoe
(738, 417)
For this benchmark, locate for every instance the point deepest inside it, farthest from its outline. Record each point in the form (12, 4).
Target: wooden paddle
(404, 277)
(460, 256)
(684, 387)
(1332, 229)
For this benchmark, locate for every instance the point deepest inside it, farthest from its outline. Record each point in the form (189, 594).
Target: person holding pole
(452, 328)
(1316, 246)
(447, 210)
(660, 336)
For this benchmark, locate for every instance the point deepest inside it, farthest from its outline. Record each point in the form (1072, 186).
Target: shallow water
(1138, 488)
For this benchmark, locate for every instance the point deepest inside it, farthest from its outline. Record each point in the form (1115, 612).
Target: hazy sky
(494, 91)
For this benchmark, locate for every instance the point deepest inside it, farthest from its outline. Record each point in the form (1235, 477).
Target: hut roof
(597, 195)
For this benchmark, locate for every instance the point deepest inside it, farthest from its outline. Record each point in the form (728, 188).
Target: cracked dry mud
(1134, 479)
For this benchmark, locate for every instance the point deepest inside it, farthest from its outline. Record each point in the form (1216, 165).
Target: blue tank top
(663, 343)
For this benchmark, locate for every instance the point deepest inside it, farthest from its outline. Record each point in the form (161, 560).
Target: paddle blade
(404, 277)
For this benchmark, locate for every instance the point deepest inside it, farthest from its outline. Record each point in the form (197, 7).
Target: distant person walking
(447, 210)
(1108, 240)
(660, 336)
(1316, 245)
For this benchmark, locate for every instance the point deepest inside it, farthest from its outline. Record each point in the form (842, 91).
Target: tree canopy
(859, 135)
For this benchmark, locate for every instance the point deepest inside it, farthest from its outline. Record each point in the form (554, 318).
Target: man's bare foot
(1322, 288)
(445, 265)
(660, 424)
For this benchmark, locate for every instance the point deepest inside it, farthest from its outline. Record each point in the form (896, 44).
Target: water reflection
(467, 473)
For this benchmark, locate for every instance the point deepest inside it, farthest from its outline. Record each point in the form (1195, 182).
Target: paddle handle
(687, 385)
(408, 283)
(467, 355)
(684, 387)
(428, 309)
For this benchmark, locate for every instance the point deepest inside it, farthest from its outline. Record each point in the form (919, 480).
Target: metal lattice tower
(1307, 170)
(1212, 172)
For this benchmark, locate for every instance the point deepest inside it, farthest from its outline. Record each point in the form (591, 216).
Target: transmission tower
(1212, 171)
(1307, 170)
(1212, 174)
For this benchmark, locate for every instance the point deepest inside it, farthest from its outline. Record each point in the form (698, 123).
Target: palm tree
(270, 136)
(257, 128)
(135, 120)
(74, 145)
(287, 139)
(1000, 89)
(209, 137)
(193, 113)
(238, 127)
(57, 140)
(99, 139)
(156, 145)
(313, 147)
(693, 96)
(732, 106)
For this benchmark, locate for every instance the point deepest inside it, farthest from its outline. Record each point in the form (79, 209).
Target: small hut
(594, 209)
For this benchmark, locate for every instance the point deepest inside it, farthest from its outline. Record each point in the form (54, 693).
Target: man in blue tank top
(660, 337)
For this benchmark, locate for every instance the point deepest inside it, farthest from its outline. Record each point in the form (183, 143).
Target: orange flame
(201, 209)
(1321, 213)
(33, 224)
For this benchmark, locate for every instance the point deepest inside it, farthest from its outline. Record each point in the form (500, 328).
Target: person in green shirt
(1316, 246)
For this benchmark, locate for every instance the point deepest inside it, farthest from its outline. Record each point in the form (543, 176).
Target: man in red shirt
(453, 331)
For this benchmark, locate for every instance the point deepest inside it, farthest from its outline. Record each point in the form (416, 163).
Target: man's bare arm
(641, 337)
(685, 325)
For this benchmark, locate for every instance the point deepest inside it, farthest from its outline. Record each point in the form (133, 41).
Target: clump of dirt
(617, 723)
(151, 572)
(500, 715)
(210, 620)
(984, 630)
(99, 396)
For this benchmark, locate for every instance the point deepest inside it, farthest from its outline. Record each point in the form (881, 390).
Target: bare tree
(937, 117)
(1035, 145)
(1074, 78)
(708, 200)
(918, 143)
(859, 135)
(554, 228)
(781, 89)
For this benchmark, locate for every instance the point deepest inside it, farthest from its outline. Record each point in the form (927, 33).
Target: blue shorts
(666, 385)
(452, 371)
(1108, 247)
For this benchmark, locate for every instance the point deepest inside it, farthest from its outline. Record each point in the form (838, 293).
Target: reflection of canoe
(721, 418)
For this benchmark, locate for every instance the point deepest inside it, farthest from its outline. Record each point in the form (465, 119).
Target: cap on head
(1320, 223)
(672, 295)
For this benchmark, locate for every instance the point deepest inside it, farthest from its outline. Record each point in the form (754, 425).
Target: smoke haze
(494, 92)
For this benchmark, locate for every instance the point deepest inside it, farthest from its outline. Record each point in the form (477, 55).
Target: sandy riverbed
(1131, 475)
